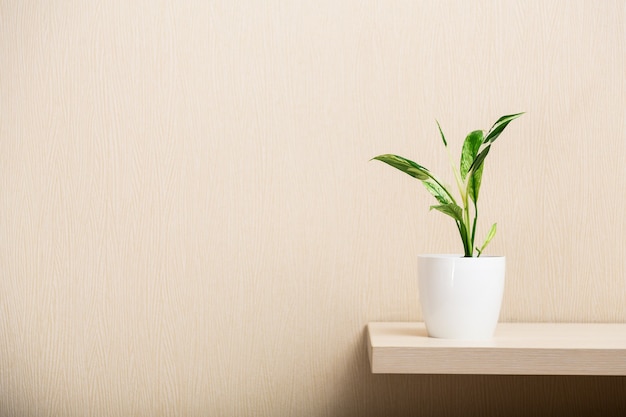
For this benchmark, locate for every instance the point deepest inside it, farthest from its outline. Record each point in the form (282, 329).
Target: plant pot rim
(456, 255)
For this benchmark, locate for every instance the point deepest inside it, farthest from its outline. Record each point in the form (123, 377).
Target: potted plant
(460, 295)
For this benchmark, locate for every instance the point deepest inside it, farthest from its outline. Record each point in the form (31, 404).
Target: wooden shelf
(516, 349)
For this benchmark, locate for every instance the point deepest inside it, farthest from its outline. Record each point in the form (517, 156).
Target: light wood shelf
(516, 349)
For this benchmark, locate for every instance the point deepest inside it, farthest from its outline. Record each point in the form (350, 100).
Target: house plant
(460, 294)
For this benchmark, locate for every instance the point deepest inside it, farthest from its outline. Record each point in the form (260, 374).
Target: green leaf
(473, 186)
(405, 165)
(476, 174)
(451, 210)
(470, 148)
(480, 158)
(438, 192)
(490, 235)
(445, 143)
(499, 126)
(432, 184)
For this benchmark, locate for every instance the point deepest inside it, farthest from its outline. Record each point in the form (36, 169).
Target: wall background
(190, 224)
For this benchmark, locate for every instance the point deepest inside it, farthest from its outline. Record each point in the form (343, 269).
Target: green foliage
(468, 176)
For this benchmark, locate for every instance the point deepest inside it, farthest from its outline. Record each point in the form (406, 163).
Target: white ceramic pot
(461, 297)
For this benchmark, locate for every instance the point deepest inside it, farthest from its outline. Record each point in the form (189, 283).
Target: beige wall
(190, 224)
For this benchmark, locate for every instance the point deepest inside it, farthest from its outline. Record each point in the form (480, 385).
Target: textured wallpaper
(190, 224)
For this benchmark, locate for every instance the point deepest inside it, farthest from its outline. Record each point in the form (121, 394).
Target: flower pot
(461, 297)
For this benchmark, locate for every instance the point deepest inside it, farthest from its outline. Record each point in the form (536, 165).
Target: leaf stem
(466, 235)
(474, 225)
(457, 175)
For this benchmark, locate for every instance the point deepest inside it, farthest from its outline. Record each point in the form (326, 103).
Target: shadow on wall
(364, 394)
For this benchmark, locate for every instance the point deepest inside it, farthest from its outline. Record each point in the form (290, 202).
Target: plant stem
(474, 225)
(457, 175)
(466, 219)
(467, 244)
(463, 232)
(463, 226)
